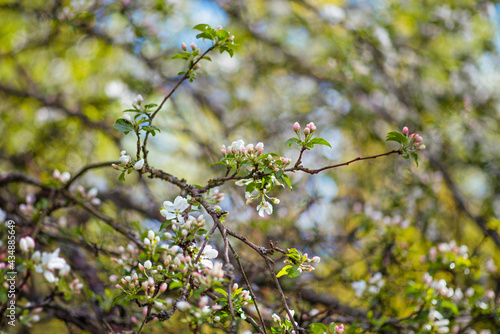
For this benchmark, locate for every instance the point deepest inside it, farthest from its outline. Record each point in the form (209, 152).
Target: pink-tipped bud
(235, 286)
(183, 46)
(223, 149)
(307, 131)
(411, 136)
(419, 138)
(296, 126)
(422, 147)
(118, 286)
(163, 287)
(141, 267)
(145, 285)
(259, 147)
(405, 130)
(193, 46)
(311, 126)
(219, 28)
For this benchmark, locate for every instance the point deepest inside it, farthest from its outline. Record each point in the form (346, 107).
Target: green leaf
(221, 291)
(205, 35)
(222, 34)
(294, 271)
(207, 58)
(151, 105)
(318, 328)
(122, 177)
(123, 125)
(287, 181)
(201, 27)
(180, 56)
(284, 271)
(397, 137)
(181, 73)
(290, 141)
(320, 141)
(449, 305)
(414, 156)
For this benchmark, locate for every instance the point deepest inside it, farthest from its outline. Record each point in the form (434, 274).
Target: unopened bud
(193, 46)
(296, 126)
(183, 46)
(405, 130)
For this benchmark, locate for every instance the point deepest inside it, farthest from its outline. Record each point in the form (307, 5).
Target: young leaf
(201, 27)
(123, 125)
(290, 141)
(397, 137)
(284, 271)
(320, 141)
(414, 156)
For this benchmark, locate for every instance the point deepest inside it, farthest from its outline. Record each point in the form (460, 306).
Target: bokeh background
(358, 69)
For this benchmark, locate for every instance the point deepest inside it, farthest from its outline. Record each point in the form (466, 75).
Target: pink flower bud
(118, 286)
(405, 130)
(141, 267)
(296, 126)
(419, 138)
(411, 136)
(307, 131)
(223, 149)
(311, 126)
(259, 147)
(193, 46)
(422, 147)
(219, 28)
(183, 46)
(163, 287)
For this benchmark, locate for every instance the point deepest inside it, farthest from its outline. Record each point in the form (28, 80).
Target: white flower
(208, 253)
(175, 210)
(92, 192)
(138, 165)
(49, 263)
(65, 177)
(147, 264)
(243, 182)
(23, 245)
(276, 318)
(183, 305)
(238, 145)
(359, 287)
(265, 207)
(124, 159)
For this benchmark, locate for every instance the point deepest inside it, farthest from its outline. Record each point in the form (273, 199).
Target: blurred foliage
(358, 69)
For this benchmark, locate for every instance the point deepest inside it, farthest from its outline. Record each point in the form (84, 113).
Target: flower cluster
(62, 177)
(28, 208)
(297, 263)
(375, 283)
(51, 265)
(450, 255)
(90, 195)
(199, 312)
(26, 244)
(238, 149)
